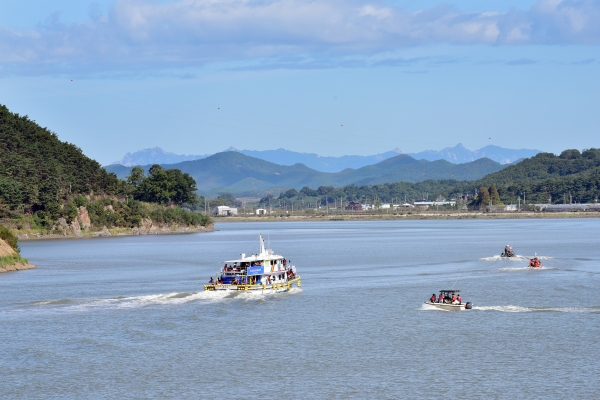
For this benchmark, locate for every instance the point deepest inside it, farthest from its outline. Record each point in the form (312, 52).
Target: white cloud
(155, 35)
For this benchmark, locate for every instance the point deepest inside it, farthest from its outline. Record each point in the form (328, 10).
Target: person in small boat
(454, 299)
(440, 298)
(212, 281)
(432, 299)
(458, 299)
(534, 263)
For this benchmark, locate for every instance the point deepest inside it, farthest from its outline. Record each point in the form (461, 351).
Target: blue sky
(198, 76)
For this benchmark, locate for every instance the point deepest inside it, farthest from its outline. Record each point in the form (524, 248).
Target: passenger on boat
(212, 281)
(459, 299)
(432, 299)
(235, 281)
(440, 298)
(534, 263)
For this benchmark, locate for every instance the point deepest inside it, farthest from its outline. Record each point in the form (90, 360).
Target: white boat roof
(265, 254)
(256, 257)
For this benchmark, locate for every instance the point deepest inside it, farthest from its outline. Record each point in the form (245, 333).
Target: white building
(225, 211)
(435, 203)
(261, 211)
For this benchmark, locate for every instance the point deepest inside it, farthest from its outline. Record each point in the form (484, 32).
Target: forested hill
(50, 186)
(545, 166)
(37, 170)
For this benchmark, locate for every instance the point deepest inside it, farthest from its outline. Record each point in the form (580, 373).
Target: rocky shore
(81, 227)
(16, 267)
(147, 228)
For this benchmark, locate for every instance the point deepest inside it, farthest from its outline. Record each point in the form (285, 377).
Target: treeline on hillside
(43, 179)
(544, 166)
(38, 171)
(571, 176)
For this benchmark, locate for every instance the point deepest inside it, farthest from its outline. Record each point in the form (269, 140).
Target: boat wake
(520, 309)
(525, 269)
(515, 258)
(121, 302)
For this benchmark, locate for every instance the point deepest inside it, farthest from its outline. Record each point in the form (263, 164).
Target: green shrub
(12, 260)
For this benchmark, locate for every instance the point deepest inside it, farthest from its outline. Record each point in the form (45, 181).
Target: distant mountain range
(155, 155)
(456, 155)
(459, 154)
(234, 172)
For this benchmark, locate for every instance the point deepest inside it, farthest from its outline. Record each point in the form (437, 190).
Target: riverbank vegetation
(9, 250)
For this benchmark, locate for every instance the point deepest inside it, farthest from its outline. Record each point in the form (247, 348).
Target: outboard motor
(469, 305)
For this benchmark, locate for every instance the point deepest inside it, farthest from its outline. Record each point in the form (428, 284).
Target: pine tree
(494, 196)
(483, 197)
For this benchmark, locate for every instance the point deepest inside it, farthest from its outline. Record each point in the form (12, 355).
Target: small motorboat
(535, 263)
(449, 300)
(508, 252)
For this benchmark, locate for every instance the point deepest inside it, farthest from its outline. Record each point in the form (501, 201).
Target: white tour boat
(445, 302)
(265, 271)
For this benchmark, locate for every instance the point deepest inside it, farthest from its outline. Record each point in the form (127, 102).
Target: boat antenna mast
(455, 281)
(262, 245)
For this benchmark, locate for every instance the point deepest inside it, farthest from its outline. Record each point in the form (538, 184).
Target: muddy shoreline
(413, 216)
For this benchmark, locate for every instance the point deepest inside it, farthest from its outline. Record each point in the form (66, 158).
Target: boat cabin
(447, 294)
